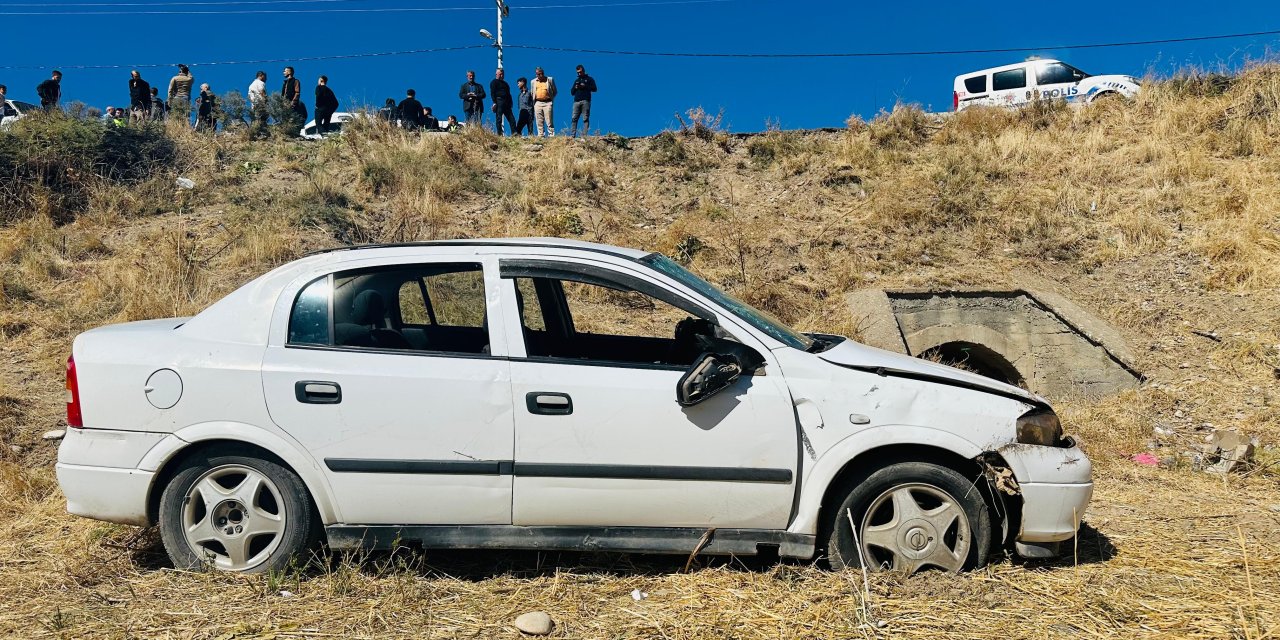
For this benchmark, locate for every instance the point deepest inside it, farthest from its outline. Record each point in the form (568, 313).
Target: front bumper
(106, 493)
(1056, 485)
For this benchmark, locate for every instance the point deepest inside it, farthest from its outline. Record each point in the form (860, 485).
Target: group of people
(530, 108)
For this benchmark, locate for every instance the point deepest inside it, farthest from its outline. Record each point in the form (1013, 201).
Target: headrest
(368, 308)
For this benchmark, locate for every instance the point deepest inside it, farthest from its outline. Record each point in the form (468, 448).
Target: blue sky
(638, 95)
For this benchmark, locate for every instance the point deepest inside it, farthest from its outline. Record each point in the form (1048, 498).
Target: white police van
(1018, 84)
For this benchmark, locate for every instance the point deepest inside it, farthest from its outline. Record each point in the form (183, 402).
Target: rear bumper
(105, 493)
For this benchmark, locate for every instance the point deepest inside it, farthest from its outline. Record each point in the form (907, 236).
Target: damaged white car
(546, 394)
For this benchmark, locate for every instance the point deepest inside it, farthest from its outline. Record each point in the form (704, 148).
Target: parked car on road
(546, 394)
(14, 110)
(1018, 84)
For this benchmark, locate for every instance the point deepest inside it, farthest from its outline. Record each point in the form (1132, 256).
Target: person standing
(50, 91)
(4, 105)
(410, 111)
(429, 121)
(524, 126)
(205, 104)
(326, 105)
(158, 107)
(292, 93)
(544, 95)
(582, 89)
(139, 97)
(180, 93)
(473, 96)
(258, 99)
(388, 112)
(500, 92)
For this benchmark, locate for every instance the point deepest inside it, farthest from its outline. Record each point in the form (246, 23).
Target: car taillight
(955, 100)
(74, 418)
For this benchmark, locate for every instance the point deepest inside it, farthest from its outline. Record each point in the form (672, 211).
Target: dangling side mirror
(709, 375)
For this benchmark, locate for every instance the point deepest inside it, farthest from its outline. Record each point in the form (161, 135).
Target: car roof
(547, 243)
(1016, 65)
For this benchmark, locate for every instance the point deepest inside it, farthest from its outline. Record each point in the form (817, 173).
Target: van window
(1058, 73)
(1011, 79)
(976, 84)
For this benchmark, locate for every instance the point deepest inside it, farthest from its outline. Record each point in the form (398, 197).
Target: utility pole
(503, 11)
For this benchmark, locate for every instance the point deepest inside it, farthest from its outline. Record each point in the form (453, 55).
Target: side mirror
(708, 376)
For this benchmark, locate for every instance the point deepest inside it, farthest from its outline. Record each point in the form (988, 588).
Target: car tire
(910, 516)
(233, 512)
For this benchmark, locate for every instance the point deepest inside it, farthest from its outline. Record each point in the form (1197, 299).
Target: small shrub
(904, 127)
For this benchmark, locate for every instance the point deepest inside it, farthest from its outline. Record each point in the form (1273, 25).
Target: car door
(1009, 87)
(388, 377)
(600, 439)
(1057, 80)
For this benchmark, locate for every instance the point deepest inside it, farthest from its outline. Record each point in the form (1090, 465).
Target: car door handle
(548, 403)
(317, 392)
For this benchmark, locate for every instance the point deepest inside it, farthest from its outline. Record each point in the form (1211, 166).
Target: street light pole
(503, 11)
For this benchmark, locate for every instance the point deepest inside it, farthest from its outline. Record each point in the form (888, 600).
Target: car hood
(853, 355)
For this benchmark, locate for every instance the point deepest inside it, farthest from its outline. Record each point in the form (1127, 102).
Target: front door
(600, 439)
(388, 380)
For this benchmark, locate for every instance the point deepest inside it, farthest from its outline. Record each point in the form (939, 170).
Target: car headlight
(1040, 426)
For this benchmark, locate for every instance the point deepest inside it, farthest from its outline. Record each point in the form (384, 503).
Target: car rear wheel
(911, 516)
(235, 513)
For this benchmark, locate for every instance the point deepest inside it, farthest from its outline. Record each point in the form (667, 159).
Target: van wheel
(236, 513)
(910, 516)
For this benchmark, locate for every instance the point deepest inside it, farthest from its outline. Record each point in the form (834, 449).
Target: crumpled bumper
(1056, 485)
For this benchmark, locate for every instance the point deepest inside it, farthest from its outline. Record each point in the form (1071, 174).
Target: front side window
(1059, 73)
(1011, 79)
(438, 307)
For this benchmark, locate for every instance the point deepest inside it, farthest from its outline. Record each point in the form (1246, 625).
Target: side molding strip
(558, 470)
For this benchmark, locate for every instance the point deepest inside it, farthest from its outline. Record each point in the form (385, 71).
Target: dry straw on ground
(1158, 215)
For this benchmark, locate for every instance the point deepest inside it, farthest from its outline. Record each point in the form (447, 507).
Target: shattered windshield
(761, 320)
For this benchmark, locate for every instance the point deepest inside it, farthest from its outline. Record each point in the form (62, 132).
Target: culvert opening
(977, 358)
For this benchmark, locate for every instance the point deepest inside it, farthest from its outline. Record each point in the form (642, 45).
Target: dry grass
(1158, 215)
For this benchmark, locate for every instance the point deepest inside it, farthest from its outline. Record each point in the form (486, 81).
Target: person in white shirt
(258, 98)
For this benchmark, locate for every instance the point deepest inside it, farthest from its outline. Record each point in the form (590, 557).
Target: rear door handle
(317, 392)
(549, 403)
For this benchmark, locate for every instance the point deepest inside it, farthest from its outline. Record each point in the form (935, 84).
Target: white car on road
(13, 110)
(546, 394)
(1014, 85)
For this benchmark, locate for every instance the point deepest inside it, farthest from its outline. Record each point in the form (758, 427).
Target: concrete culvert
(1037, 340)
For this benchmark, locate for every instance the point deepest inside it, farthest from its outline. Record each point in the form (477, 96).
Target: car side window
(1011, 79)
(976, 84)
(565, 319)
(1056, 73)
(436, 307)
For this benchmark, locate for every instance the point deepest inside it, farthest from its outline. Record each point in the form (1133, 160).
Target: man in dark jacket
(524, 126)
(50, 91)
(292, 94)
(326, 105)
(158, 107)
(205, 105)
(139, 97)
(388, 112)
(583, 87)
(473, 96)
(410, 111)
(500, 91)
(429, 121)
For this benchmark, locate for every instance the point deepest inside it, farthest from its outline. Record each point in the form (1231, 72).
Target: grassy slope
(1159, 216)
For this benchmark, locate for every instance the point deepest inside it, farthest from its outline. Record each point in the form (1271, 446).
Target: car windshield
(23, 106)
(761, 320)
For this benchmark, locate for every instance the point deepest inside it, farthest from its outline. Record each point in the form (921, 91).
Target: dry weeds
(1159, 215)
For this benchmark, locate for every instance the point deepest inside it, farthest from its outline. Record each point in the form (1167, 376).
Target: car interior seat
(368, 324)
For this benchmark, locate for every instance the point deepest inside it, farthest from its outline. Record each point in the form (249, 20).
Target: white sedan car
(546, 394)
(13, 110)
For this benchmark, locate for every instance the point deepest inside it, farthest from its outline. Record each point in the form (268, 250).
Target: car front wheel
(910, 516)
(235, 513)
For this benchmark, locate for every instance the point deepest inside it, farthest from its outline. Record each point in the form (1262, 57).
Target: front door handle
(317, 392)
(548, 403)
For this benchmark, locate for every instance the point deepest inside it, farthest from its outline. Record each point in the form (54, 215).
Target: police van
(1018, 84)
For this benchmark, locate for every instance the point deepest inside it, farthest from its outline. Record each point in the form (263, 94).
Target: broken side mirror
(709, 375)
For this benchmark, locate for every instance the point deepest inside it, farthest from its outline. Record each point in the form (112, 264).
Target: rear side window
(1058, 73)
(976, 84)
(1011, 79)
(437, 307)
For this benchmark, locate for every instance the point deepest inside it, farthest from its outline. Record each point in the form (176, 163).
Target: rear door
(973, 90)
(600, 438)
(1010, 87)
(387, 376)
